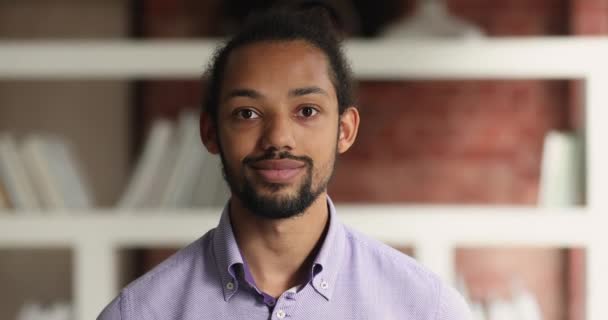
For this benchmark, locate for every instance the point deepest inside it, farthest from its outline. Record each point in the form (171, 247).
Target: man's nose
(278, 133)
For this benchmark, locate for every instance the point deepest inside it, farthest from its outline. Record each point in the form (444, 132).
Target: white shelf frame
(95, 236)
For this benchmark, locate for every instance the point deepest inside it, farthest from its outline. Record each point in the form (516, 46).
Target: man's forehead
(293, 66)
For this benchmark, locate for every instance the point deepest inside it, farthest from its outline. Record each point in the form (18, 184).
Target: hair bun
(320, 12)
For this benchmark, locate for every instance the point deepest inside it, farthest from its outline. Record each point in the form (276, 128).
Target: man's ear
(209, 133)
(349, 126)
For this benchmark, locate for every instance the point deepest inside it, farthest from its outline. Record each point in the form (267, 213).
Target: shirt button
(280, 314)
(324, 284)
(229, 285)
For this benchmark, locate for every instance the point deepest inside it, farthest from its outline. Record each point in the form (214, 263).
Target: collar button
(324, 284)
(281, 314)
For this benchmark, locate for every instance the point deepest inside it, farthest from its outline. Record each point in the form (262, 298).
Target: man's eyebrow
(307, 90)
(247, 93)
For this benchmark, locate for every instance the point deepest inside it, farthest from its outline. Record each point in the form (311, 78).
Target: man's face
(277, 126)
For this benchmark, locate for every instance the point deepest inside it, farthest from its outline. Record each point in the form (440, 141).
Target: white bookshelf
(95, 236)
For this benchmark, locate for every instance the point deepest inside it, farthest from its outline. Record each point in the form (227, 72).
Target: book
(67, 175)
(561, 179)
(4, 200)
(222, 191)
(19, 187)
(190, 157)
(36, 158)
(157, 148)
(211, 190)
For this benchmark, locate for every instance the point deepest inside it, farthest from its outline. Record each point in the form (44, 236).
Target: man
(278, 111)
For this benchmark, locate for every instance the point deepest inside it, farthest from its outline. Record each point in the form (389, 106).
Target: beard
(274, 206)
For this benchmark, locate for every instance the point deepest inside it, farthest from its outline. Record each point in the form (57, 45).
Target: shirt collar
(328, 262)
(324, 269)
(227, 254)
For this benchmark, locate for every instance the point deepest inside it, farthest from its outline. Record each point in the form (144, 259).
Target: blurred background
(430, 142)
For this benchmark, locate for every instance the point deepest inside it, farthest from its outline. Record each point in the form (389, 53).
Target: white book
(561, 171)
(67, 175)
(19, 188)
(211, 189)
(190, 159)
(36, 158)
(222, 191)
(149, 166)
(4, 200)
(158, 187)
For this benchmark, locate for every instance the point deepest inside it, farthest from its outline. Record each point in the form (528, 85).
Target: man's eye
(247, 114)
(307, 112)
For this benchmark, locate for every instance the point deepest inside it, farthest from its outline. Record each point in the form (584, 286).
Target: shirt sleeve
(112, 311)
(452, 305)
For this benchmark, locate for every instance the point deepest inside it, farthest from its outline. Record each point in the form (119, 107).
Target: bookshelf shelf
(402, 225)
(434, 231)
(534, 57)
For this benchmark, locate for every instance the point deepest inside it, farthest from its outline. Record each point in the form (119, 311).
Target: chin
(278, 193)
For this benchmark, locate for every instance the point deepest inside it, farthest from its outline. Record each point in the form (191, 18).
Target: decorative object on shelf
(431, 18)
(477, 309)
(561, 177)
(521, 305)
(525, 304)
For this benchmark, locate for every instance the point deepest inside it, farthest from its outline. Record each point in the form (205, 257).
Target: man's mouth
(279, 170)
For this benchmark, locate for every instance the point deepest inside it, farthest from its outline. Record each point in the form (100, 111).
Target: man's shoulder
(378, 256)
(403, 276)
(167, 281)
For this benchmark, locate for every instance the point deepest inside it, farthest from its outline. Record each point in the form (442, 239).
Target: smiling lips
(278, 171)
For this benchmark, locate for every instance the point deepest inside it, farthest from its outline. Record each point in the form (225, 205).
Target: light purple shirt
(352, 277)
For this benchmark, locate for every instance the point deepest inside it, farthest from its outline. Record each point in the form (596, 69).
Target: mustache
(273, 155)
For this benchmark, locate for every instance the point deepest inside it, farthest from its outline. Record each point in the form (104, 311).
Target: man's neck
(279, 253)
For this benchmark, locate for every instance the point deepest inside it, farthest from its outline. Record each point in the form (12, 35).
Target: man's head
(278, 109)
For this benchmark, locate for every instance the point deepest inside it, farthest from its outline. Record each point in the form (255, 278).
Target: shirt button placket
(284, 306)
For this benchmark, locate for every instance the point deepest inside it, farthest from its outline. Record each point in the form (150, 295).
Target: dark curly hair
(277, 25)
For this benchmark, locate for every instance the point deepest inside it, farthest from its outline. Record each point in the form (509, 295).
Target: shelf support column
(95, 276)
(596, 124)
(437, 255)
